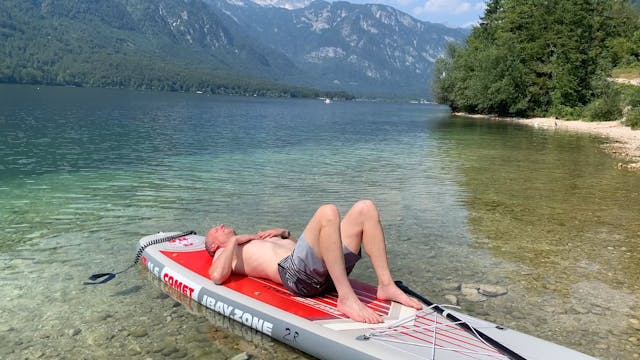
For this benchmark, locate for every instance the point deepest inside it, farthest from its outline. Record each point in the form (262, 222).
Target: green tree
(537, 58)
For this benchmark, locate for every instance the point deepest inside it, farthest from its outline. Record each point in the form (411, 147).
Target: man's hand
(241, 239)
(282, 233)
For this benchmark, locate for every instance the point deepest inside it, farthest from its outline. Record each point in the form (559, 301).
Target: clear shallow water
(85, 173)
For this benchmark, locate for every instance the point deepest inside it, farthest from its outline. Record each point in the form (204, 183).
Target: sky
(453, 13)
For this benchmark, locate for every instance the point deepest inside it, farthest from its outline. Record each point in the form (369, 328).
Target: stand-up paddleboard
(315, 326)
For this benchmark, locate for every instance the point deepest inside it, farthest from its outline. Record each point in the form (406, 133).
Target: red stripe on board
(198, 261)
(276, 295)
(317, 308)
(440, 343)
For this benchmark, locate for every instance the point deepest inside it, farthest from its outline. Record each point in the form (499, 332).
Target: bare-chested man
(320, 259)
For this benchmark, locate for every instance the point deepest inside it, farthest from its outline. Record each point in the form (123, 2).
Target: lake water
(84, 173)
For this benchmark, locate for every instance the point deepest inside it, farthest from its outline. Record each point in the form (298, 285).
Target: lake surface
(84, 173)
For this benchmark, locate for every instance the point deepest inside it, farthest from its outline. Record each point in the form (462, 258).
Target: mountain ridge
(135, 44)
(217, 46)
(373, 49)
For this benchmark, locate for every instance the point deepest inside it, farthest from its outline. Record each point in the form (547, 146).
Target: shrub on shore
(603, 109)
(633, 118)
(630, 95)
(630, 101)
(607, 105)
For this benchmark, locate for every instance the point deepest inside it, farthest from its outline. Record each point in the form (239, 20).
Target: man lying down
(320, 260)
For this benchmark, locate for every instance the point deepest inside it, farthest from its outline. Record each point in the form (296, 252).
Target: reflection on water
(85, 173)
(556, 205)
(560, 204)
(225, 332)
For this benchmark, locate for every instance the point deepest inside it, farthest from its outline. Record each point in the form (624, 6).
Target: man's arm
(241, 239)
(223, 260)
(282, 233)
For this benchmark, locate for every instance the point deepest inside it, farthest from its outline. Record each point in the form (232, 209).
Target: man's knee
(366, 209)
(328, 214)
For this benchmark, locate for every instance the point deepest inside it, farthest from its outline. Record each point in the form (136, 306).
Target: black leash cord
(109, 276)
(510, 353)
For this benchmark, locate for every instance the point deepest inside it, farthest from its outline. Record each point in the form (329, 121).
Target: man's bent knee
(328, 213)
(366, 208)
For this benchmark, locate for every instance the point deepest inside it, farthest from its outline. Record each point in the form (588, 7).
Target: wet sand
(624, 142)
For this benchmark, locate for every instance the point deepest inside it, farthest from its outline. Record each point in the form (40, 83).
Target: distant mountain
(365, 49)
(148, 44)
(220, 46)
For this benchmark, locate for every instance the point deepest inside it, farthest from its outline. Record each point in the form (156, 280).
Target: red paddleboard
(315, 326)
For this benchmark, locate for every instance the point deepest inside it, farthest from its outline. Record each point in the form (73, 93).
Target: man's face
(223, 231)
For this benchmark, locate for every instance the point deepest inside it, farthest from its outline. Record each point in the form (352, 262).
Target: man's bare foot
(393, 293)
(357, 311)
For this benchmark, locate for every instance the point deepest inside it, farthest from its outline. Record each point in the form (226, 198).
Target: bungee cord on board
(109, 276)
(408, 325)
(475, 330)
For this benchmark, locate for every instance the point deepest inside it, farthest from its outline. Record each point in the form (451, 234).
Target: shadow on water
(128, 291)
(555, 204)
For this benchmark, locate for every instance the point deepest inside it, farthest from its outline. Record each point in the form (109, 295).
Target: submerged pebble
(99, 338)
(477, 297)
(472, 290)
(579, 309)
(492, 290)
(134, 350)
(138, 332)
(451, 299)
(451, 286)
(169, 350)
(241, 356)
(6, 328)
(469, 289)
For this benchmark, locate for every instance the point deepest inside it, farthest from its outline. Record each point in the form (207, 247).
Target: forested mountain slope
(220, 47)
(153, 44)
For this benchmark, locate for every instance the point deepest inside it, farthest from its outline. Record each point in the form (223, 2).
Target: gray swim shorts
(305, 274)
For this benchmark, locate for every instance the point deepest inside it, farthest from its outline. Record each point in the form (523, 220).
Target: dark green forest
(121, 43)
(545, 58)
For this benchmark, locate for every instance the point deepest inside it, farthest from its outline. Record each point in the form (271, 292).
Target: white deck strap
(383, 334)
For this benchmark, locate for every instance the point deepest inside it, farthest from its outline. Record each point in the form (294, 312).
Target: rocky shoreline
(624, 141)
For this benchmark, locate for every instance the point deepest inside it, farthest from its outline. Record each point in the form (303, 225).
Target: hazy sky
(454, 13)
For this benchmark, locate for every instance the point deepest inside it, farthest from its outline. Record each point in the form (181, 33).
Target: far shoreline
(624, 141)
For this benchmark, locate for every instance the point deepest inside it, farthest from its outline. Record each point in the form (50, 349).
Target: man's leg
(361, 225)
(323, 235)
